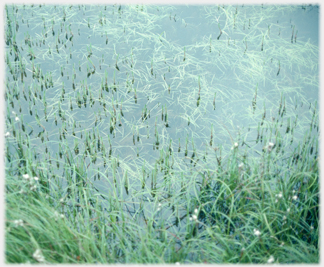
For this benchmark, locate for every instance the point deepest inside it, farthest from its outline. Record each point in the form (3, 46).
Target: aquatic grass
(96, 178)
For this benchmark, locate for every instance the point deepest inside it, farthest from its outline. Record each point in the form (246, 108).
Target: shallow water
(163, 58)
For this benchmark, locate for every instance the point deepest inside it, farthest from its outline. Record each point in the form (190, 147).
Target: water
(93, 72)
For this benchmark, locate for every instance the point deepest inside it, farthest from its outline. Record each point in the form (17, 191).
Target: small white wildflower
(26, 176)
(36, 178)
(240, 166)
(190, 219)
(62, 200)
(18, 223)
(38, 256)
(280, 195)
(276, 200)
(58, 215)
(7, 134)
(194, 217)
(284, 218)
(159, 206)
(294, 197)
(14, 113)
(271, 259)
(288, 210)
(196, 211)
(235, 146)
(270, 146)
(257, 232)
(17, 119)
(33, 188)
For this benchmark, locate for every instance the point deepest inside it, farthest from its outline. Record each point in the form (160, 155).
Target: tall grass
(124, 145)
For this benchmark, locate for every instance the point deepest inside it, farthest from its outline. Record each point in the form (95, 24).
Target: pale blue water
(180, 46)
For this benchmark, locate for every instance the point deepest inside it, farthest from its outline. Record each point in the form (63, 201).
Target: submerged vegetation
(135, 134)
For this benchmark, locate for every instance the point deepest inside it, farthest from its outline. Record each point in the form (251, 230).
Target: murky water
(159, 94)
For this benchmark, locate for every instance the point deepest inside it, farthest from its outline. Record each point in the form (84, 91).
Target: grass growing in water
(246, 194)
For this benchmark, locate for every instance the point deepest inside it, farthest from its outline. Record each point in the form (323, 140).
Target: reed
(103, 191)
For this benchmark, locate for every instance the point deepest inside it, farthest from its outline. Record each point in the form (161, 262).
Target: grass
(111, 186)
(231, 204)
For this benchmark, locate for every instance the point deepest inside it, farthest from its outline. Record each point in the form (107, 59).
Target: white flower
(18, 223)
(26, 176)
(62, 200)
(196, 211)
(279, 195)
(38, 256)
(57, 215)
(270, 146)
(21, 191)
(288, 210)
(17, 119)
(159, 206)
(240, 166)
(257, 232)
(7, 134)
(271, 259)
(194, 217)
(284, 218)
(36, 178)
(294, 197)
(33, 188)
(235, 146)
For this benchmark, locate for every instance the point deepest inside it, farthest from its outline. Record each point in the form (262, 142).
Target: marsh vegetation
(160, 134)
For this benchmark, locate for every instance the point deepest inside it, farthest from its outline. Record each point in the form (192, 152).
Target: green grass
(223, 168)
(230, 203)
